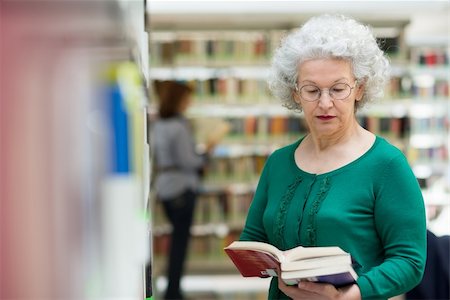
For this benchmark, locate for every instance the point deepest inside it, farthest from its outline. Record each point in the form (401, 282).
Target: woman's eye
(311, 90)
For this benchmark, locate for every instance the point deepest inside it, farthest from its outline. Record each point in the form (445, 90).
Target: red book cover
(253, 263)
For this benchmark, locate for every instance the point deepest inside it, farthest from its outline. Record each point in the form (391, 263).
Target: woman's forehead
(324, 69)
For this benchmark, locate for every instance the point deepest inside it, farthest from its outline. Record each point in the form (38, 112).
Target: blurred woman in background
(178, 169)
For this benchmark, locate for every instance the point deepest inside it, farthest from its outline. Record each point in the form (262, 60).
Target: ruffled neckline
(302, 172)
(309, 216)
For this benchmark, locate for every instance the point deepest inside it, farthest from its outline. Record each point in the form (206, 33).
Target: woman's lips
(325, 117)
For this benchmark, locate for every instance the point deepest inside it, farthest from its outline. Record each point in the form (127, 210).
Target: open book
(210, 130)
(320, 264)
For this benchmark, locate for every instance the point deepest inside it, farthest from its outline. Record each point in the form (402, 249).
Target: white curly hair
(329, 36)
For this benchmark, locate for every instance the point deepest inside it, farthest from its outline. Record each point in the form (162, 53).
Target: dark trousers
(180, 212)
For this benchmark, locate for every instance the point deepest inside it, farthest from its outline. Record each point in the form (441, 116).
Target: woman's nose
(325, 99)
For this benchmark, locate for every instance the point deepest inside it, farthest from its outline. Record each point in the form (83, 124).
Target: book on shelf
(319, 264)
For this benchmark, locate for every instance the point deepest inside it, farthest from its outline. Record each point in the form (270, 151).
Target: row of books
(429, 155)
(430, 56)
(396, 127)
(223, 207)
(427, 87)
(190, 52)
(438, 124)
(230, 90)
(424, 86)
(211, 208)
(210, 47)
(229, 170)
(266, 125)
(204, 248)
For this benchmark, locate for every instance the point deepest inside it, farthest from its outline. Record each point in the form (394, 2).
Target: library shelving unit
(74, 150)
(428, 148)
(228, 68)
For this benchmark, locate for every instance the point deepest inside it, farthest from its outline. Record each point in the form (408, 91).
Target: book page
(300, 252)
(316, 262)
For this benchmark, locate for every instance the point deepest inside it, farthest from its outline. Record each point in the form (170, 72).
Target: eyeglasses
(338, 91)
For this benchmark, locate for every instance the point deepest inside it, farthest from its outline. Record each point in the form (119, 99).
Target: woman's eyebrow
(311, 81)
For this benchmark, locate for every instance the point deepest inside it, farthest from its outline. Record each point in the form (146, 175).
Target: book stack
(329, 265)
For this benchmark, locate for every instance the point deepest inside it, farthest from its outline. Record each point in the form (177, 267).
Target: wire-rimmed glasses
(338, 91)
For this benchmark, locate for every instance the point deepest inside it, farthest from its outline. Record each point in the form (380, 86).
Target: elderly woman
(340, 185)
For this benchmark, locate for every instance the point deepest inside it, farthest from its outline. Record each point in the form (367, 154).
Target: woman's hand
(322, 291)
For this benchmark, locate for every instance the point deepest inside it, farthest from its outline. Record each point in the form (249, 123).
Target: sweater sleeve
(254, 227)
(400, 221)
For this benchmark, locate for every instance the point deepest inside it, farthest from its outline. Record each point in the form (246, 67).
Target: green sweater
(372, 208)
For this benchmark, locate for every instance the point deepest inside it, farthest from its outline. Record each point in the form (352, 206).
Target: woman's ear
(295, 95)
(296, 98)
(360, 89)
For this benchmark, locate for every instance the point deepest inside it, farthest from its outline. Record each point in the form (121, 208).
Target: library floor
(222, 287)
(218, 287)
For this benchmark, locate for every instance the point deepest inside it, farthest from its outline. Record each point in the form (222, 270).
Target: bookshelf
(73, 149)
(228, 67)
(430, 113)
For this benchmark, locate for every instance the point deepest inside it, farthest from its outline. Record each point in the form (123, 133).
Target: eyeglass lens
(339, 91)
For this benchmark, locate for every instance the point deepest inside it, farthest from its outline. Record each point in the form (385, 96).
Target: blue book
(119, 131)
(337, 275)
